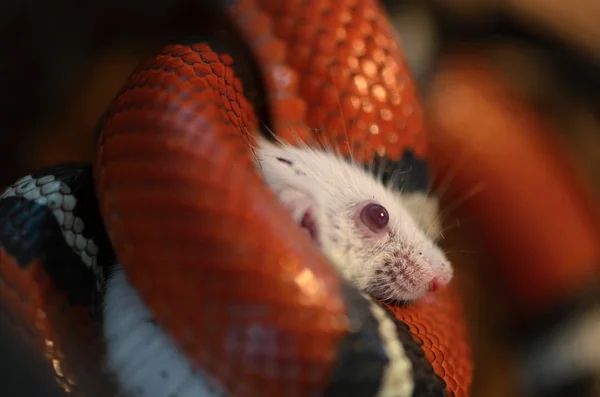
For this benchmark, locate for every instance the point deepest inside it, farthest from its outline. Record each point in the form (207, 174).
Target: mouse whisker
(454, 225)
(453, 205)
(394, 180)
(459, 251)
(457, 165)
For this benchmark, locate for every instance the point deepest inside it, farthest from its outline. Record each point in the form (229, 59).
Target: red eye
(375, 217)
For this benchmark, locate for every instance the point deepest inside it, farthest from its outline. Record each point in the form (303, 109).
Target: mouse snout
(441, 280)
(440, 269)
(435, 284)
(438, 283)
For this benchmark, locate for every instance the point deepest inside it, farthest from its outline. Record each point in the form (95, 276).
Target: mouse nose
(435, 284)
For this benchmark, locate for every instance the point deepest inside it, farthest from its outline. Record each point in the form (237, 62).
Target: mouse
(379, 239)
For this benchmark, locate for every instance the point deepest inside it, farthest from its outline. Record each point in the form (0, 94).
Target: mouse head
(360, 224)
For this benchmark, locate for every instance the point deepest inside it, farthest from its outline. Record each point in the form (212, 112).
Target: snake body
(175, 193)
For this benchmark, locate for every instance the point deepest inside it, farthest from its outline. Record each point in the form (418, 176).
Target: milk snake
(174, 193)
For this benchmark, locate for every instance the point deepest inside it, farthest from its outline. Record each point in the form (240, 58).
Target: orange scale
(430, 357)
(186, 73)
(389, 76)
(358, 46)
(230, 92)
(327, 41)
(344, 54)
(234, 107)
(422, 331)
(312, 15)
(359, 85)
(316, 117)
(285, 27)
(382, 40)
(435, 340)
(257, 26)
(291, 133)
(306, 32)
(286, 7)
(391, 129)
(354, 136)
(170, 80)
(180, 50)
(407, 109)
(381, 150)
(379, 93)
(414, 124)
(289, 109)
(396, 99)
(420, 327)
(349, 106)
(451, 383)
(190, 57)
(331, 19)
(320, 67)
(438, 356)
(204, 56)
(448, 367)
(202, 69)
(375, 133)
(310, 88)
(329, 97)
(366, 28)
(344, 91)
(368, 112)
(270, 51)
(377, 54)
(336, 126)
(229, 76)
(338, 74)
(221, 85)
(368, 10)
(281, 79)
(438, 369)
(392, 137)
(353, 34)
(299, 56)
(242, 101)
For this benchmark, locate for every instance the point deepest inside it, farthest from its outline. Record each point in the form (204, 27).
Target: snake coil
(174, 191)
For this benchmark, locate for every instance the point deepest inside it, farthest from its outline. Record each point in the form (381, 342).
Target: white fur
(399, 265)
(140, 353)
(425, 210)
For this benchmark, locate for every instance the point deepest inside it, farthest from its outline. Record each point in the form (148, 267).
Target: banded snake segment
(175, 194)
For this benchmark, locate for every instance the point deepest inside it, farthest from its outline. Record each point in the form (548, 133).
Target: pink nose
(435, 285)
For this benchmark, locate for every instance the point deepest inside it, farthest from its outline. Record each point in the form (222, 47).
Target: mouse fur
(398, 264)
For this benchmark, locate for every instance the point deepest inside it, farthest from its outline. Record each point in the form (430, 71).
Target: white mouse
(363, 226)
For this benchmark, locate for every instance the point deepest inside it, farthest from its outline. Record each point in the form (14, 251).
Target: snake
(174, 197)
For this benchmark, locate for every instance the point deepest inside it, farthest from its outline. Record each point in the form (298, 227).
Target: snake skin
(174, 178)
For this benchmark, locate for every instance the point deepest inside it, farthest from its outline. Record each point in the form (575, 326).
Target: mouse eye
(374, 216)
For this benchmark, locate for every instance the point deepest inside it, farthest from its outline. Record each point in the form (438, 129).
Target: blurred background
(545, 54)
